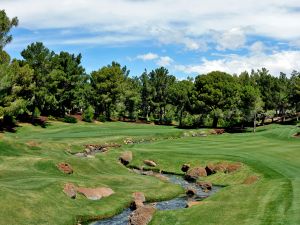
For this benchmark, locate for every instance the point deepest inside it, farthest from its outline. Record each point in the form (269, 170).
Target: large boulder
(217, 131)
(194, 173)
(223, 167)
(70, 190)
(141, 216)
(138, 200)
(95, 193)
(205, 185)
(210, 169)
(185, 167)
(65, 168)
(126, 158)
(160, 176)
(232, 167)
(150, 163)
(191, 192)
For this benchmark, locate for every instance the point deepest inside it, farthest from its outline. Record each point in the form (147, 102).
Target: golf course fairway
(31, 186)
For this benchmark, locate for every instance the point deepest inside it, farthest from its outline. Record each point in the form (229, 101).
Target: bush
(9, 120)
(51, 118)
(102, 118)
(88, 114)
(36, 112)
(70, 119)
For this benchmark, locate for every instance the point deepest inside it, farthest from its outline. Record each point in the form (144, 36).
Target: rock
(217, 131)
(185, 167)
(138, 200)
(141, 216)
(232, 167)
(80, 154)
(136, 171)
(221, 167)
(128, 141)
(210, 169)
(95, 193)
(147, 173)
(202, 134)
(150, 163)
(193, 203)
(65, 168)
(87, 150)
(126, 158)
(205, 185)
(161, 176)
(194, 173)
(191, 192)
(70, 190)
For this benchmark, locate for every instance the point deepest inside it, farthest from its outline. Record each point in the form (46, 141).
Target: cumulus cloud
(159, 60)
(166, 21)
(165, 61)
(148, 56)
(232, 39)
(284, 61)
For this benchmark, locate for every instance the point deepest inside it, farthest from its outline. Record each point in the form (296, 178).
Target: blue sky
(188, 37)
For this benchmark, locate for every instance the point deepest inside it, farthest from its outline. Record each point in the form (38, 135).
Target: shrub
(51, 118)
(70, 119)
(102, 118)
(36, 112)
(88, 114)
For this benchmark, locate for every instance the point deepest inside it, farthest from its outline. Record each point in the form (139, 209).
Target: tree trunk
(180, 117)
(263, 120)
(215, 122)
(254, 123)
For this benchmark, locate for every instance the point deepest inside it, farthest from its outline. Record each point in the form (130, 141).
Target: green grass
(31, 186)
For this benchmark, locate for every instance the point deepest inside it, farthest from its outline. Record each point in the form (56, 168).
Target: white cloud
(284, 61)
(257, 47)
(165, 61)
(167, 21)
(159, 60)
(232, 39)
(148, 56)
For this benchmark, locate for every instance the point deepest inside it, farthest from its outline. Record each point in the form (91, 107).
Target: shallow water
(175, 203)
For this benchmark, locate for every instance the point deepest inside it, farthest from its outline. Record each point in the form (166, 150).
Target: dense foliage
(56, 85)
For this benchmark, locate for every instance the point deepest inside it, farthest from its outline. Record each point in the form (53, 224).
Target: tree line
(56, 85)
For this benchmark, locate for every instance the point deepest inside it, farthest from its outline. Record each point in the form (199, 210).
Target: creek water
(173, 204)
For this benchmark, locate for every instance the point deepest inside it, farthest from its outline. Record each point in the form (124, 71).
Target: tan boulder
(70, 190)
(65, 168)
(138, 200)
(150, 163)
(205, 185)
(194, 173)
(141, 216)
(191, 192)
(126, 158)
(161, 176)
(95, 193)
(232, 167)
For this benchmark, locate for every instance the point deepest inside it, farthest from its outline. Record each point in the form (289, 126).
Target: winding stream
(175, 203)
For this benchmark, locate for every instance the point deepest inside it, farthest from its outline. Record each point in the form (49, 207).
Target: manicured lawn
(31, 185)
